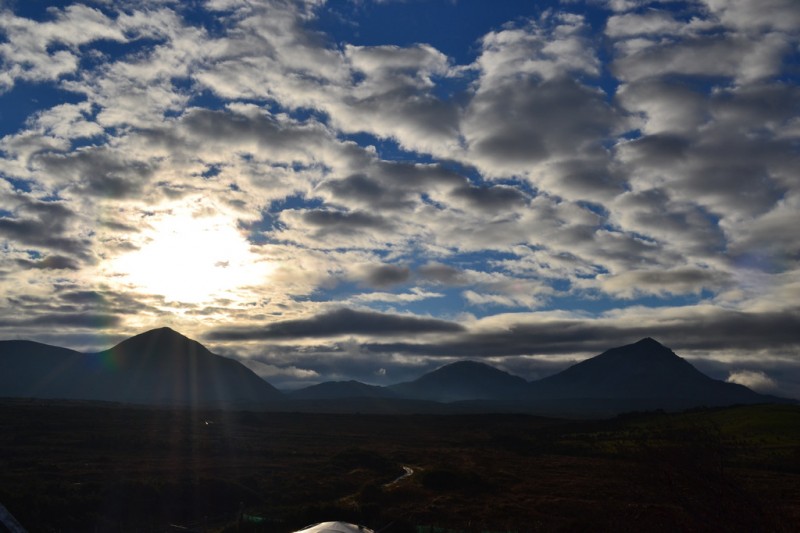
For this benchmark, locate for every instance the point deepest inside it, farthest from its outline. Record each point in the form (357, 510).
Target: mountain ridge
(164, 367)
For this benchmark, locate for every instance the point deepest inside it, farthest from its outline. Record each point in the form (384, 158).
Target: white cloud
(753, 379)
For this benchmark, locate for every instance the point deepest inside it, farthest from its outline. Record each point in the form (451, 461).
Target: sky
(371, 189)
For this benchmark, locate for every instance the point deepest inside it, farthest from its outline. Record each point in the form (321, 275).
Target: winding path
(408, 471)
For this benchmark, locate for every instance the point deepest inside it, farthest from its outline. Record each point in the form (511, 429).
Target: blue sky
(369, 190)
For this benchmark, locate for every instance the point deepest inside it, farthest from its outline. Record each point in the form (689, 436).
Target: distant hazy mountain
(160, 367)
(464, 380)
(646, 374)
(331, 390)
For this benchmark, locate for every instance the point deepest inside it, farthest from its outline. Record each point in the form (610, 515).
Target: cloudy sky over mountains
(370, 189)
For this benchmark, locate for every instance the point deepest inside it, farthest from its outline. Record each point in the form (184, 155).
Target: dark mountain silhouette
(35, 370)
(160, 367)
(463, 380)
(644, 374)
(330, 390)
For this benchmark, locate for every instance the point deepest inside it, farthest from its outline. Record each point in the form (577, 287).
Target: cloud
(274, 373)
(782, 15)
(682, 280)
(628, 171)
(496, 199)
(440, 273)
(649, 23)
(415, 295)
(49, 225)
(385, 275)
(51, 262)
(97, 172)
(693, 329)
(753, 379)
(394, 96)
(341, 222)
(336, 323)
(366, 192)
(26, 52)
(53, 320)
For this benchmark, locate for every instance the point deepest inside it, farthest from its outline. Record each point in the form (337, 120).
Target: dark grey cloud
(434, 272)
(684, 226)
(498, 198)
(338, 322)
(680, 280)
(385, 275)
(70, 320)
(416, 176)
(97, 171)
(263, 130)
(717, 330)
(524, 122)
(44, 224)
(51, 262)
(342, 223)
(367, 192)
(83, 297)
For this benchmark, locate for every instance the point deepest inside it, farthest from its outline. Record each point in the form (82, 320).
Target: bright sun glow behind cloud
(189, 258)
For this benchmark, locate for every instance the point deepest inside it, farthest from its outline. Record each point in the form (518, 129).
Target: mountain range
(163, 367)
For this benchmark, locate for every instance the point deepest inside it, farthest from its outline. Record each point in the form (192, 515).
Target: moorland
(93, 466)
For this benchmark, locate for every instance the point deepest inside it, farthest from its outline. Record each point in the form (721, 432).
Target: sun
(192, 257)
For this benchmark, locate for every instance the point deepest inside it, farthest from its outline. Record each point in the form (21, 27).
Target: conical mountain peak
(160, 340)
(162, 333)
(644, 369)
(648, 342)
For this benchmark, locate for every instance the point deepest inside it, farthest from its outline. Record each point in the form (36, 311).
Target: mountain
(32, 369)
(163, 367)
(158, 367)
(334, 390)
(463, 380)
(645, 374)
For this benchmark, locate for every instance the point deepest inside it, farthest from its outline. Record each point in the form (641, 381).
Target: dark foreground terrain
(102, 467)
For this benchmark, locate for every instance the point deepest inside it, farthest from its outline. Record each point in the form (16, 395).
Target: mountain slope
(335, 390)
(160, 367)
(645, 370)
(33, 369)
(463, 380)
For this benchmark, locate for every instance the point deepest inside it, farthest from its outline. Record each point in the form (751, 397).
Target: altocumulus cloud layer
(327, 193)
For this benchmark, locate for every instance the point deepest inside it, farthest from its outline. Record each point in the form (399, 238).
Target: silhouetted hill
(334, 390)
(645, 374)
(35, 370)
(463, 380)
(160, 367)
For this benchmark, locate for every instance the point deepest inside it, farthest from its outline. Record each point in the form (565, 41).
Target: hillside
(463, 380)
(160, 367)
